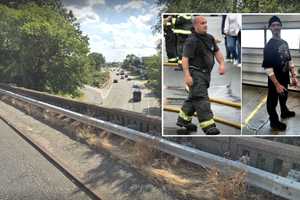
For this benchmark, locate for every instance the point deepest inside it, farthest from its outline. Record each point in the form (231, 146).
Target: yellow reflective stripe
(206, 123)
(173, 20)
(185, 16)
(180, 31)
(184, 116)
(169, 24)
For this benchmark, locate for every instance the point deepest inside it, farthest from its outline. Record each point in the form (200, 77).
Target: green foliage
(131, 61)
(269, 6)
(153, 69)
(42, 50)
(223, 6)
(99, 78)
(19, 3)
(97, 60)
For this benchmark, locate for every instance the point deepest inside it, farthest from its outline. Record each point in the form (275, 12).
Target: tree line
(42, 48)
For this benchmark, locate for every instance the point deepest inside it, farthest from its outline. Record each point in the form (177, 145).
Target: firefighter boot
(186, 124)
(277, 126)
(287, 114)
(211, 130)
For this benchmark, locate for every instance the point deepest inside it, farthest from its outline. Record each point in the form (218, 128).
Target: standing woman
(232, 28)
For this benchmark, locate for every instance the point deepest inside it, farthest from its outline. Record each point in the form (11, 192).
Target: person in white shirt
(232, 30)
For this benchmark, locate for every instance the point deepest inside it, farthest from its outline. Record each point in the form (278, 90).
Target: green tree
(153, 69)
(55, 5)
(223, 6)
(97, 59)
(131, 61)
(42, 50)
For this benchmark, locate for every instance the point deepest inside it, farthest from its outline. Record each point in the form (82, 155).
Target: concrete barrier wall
(136, 121)
(263, 153)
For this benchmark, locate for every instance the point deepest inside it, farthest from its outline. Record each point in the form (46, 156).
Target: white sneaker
(228, 60)
(239, 65)
(235, 62)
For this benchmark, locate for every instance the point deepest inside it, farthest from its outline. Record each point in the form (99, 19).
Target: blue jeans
(234, 47)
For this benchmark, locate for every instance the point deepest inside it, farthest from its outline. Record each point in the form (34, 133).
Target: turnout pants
(180, 42)
(170, 39)
(198, 100)
(272, 101)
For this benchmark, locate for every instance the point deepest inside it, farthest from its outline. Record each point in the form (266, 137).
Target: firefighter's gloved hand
(188, 80)
(221, 69)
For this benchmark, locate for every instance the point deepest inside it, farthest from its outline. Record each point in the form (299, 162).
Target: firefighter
(170, 38)
(182, 28)
(197, 62)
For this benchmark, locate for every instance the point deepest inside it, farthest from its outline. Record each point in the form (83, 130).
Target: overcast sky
(117, 27)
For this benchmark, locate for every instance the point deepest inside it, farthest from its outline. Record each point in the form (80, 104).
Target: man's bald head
(200, 24)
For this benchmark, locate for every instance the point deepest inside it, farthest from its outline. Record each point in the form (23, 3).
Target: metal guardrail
(275, 184)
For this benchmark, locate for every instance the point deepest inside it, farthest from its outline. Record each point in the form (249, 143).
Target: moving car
(135, 86)
(136, 95)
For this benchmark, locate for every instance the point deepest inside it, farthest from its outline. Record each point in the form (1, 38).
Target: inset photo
(201, 74)
(271, 60)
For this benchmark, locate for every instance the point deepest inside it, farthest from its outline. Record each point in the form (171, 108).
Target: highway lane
(120, 96)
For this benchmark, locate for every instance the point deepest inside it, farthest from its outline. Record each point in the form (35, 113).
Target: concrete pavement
(26, 174)
(255, 116)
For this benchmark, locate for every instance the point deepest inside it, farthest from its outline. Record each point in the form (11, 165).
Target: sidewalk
(96, 95)
(102, 173)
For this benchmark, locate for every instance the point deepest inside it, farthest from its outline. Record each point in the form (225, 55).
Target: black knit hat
(274, 19)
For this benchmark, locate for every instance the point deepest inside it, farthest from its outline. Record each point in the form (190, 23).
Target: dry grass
(227, 188)
(144, 152)
(169, 177)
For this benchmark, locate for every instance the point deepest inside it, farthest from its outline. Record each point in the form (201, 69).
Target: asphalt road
(120, 96)
(27, 175)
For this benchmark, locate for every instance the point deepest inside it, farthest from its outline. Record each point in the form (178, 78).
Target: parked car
(115, 81)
